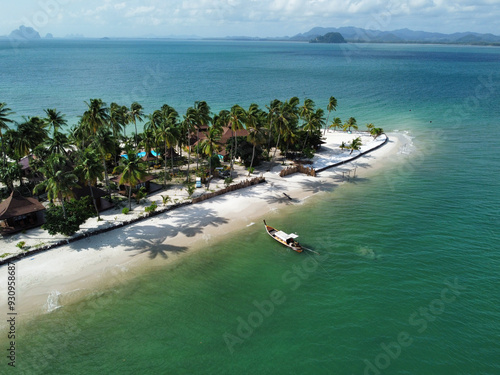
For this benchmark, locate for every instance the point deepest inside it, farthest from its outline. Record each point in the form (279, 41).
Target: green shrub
(151, 208)
(141, 194)
(125, 210)
(190, 189)
(77, 212)
(21, 244)
(165, 199)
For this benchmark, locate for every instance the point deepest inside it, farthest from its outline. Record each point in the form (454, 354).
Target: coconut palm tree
(59, 180)
(188, 124)
(336, 123)
(105, 144)
(153, 121)
(376, 132)
(10, 173)
(203, 119)
(95, 117)
(272, 114)
(315, 122)
(209, 146)
(58, 143)
(332, 105)
(351, 123)
(286, 122)
(90, 168)
(4, 120)
(54, 120)
(28, 135)
(306, 110)
(236, 115)
(167, 132)
(118, 120)
(135, 113)
(132, 171)
(355, 145)
(254, 122)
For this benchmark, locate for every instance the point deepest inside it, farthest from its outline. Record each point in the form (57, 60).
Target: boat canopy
(284, 236)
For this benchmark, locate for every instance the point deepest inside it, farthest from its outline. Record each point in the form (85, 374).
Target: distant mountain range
(358, 35)
(319, 35)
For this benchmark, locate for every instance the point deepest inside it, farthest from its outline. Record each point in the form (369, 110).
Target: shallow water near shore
(407, 276)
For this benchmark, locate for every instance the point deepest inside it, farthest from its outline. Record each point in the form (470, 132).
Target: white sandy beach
(67, 273)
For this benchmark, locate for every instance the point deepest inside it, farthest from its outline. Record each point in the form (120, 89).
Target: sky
(256, 18)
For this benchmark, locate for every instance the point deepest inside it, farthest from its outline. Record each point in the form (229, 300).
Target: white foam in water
(53, 301)
(252, 223)
(408, 147)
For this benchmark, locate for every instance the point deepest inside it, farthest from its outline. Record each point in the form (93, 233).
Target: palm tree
(151, 127)
(91, 169)
(188, 125)
(153, 121)
(10, 173)
(376, 132)
(355, 145)
(209, 146)
(336, 123)
(286, 122)
(29, 134)
(104, 143)
(203, 119)
(306, 110)
(332, 105)
(4, 120)
(351, 123)
(59, 180)
(95, 117)
(315, 123)
(54, 120)
(135, 113)
(254, 120)
(132, 172)
(168, 132)
(58, 143)
(273, 110)
(148, 142)
(117, 121)
(235, 123)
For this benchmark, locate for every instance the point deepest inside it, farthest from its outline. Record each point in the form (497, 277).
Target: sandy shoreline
(68, 273)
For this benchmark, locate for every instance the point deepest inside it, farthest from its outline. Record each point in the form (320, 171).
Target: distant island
(347, 34)
(358, 35)
(26, 33)
(332, 37)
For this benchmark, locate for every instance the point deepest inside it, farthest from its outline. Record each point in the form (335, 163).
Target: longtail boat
(283, 238)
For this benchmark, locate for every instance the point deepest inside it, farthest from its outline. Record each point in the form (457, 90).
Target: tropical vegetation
(62, 158)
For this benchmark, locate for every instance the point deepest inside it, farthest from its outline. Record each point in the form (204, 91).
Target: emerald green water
(406, 282)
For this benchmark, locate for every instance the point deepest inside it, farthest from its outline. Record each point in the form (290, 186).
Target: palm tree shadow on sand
(318, 186)
(155, 249)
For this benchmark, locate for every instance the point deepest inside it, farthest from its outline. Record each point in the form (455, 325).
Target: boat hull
(295, 246)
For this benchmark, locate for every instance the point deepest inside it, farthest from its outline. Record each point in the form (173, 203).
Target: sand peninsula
(68, 273)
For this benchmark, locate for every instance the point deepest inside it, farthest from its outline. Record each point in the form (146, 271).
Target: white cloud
(255, 17)
(120, 6)
(139, 11)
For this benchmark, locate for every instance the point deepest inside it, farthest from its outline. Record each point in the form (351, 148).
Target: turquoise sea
(408, 277)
